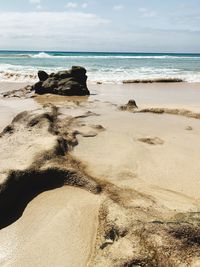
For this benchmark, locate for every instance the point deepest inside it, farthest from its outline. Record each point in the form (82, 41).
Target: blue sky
(81, 25)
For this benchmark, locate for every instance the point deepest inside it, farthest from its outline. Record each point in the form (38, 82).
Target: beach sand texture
(85, 183)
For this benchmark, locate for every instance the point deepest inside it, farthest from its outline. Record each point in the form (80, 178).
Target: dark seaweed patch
(189, 235)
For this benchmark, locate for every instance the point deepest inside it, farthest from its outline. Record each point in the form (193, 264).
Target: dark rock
(43, 76)
(50, 84)
(69, 82)
(78, 71)
(38, 88)
(131, 105)
(62, 75)
(65, 81)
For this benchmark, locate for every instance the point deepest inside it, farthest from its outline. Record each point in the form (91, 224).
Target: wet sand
(122, 154)
(128, 193)
(152, 95)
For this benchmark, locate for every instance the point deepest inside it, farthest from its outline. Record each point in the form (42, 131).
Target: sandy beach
(85, 182)
(99, 133)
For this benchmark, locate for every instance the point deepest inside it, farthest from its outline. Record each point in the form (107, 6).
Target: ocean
(22, 66)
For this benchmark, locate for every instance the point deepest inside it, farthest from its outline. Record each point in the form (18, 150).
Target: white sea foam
(18, 73)
(42, 55)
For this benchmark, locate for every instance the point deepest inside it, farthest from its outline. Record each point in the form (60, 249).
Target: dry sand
(135, 177)
(38, 228)
(141, 150)
(56, 229)
(9, 108)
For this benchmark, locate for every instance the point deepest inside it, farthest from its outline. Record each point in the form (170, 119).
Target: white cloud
(35, 1)
(48, 30)
(71, 5)
(84, 5)
(81, 31)
(147, 13)
(118, 7)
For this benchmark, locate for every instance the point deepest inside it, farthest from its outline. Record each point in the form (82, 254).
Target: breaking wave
(41, 55)
(51, 55)
(46, 55)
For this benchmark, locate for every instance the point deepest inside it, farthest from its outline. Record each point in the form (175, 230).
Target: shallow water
(107, 67)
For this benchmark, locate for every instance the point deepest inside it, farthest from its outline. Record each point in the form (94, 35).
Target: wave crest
(41, 55)
(56, 55)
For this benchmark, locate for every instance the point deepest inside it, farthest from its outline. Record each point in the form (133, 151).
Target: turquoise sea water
(105, 67)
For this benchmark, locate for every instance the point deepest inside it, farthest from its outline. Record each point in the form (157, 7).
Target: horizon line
(106, 52)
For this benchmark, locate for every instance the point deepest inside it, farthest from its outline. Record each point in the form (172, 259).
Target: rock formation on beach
(130, 106)
(69, 82)
(154, 80)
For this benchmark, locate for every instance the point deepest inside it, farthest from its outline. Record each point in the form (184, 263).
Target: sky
(100, 25)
